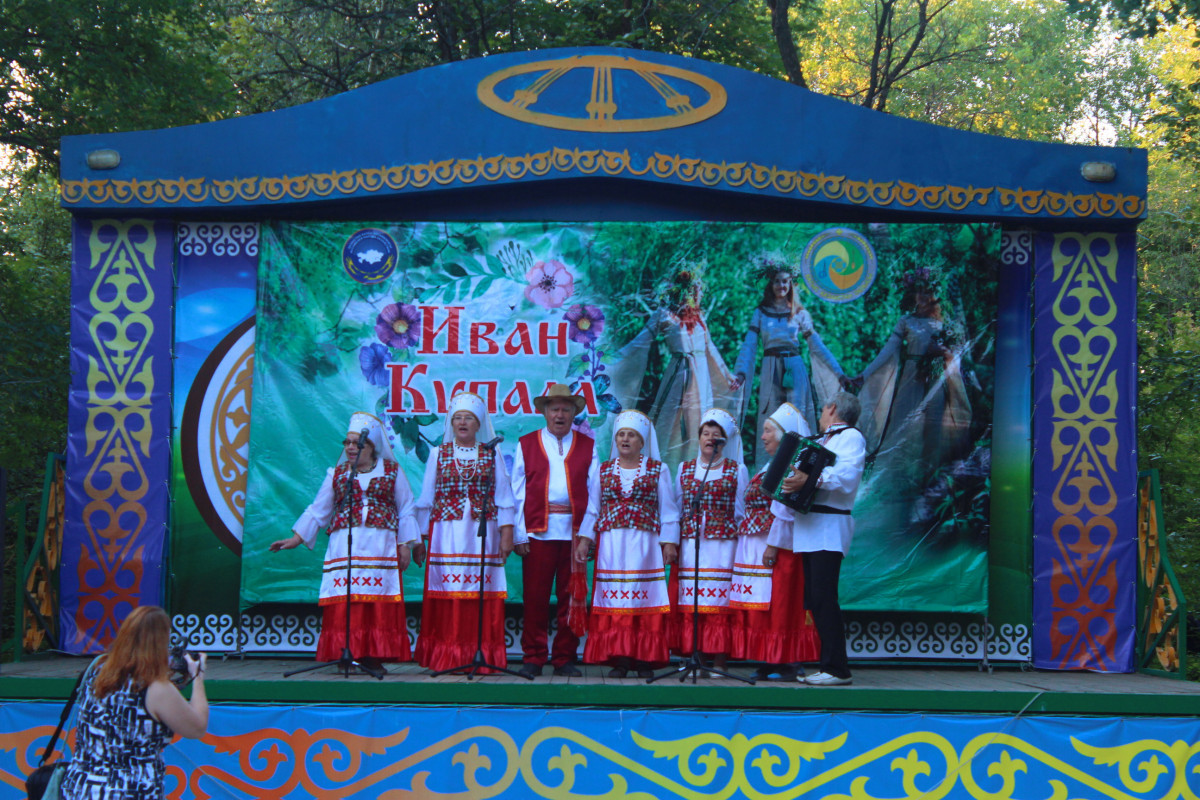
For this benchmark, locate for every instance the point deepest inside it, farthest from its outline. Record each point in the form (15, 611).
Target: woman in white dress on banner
(464, 480)
(379, 506)
(637, 529)
(711, 489)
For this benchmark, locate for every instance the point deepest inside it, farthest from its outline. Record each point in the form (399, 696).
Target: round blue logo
(838, 265)
(369, 256)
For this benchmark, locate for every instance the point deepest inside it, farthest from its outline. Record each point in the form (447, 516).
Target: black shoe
(531, 670)
(568, 670)
(646, 674)
(618, 672)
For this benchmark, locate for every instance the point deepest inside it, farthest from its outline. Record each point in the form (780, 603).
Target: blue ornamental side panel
(1085, 455)
(119, 419)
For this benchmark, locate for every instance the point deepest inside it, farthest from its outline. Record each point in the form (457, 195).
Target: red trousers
(548, 564)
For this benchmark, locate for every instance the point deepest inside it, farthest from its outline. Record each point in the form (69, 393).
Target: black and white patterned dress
(118, 747)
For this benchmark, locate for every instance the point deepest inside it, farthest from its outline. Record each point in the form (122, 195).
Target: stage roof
(596, 133)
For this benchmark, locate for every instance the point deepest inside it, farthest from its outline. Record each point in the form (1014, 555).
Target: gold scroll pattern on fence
(736, 175)
(1160, 594)
(120, 384)
(1085, 396)
(558, 763)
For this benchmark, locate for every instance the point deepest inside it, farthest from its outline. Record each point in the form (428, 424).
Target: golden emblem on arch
(600, 108)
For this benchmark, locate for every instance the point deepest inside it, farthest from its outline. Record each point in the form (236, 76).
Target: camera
(177, 663)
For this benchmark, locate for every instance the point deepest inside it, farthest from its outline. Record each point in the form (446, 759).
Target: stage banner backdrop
(214, 363)
(432, 752)
(668, 318)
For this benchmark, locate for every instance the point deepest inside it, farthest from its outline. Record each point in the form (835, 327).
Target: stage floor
(1005, 690)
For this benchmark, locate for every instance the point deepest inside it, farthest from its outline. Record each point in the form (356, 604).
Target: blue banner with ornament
(347, 751)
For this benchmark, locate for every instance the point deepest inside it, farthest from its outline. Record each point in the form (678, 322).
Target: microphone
(364, 437)
(492, 444)
(718, 443)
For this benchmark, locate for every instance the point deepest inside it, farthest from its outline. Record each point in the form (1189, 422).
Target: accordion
(806, 455)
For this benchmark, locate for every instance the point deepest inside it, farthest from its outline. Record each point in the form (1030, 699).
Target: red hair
(138, 654)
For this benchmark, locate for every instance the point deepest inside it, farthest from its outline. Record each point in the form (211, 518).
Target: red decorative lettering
(517, 400)
(589, 398)
(398, 386)
(545, 338)
(443, 399)
(451, 325)
(481, 342)
(519, 341)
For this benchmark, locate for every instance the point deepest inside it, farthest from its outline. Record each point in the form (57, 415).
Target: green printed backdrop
(394, 317)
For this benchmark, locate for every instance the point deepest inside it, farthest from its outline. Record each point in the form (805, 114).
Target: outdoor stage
(899, 731)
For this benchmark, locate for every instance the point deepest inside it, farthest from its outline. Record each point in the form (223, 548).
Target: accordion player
(799, 453)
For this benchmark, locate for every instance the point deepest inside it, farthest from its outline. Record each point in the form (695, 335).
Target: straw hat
(558, 391)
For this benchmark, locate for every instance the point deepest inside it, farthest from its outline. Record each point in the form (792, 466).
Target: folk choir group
(763, 579)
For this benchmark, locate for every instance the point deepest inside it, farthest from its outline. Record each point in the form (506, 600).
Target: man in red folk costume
(555, 473)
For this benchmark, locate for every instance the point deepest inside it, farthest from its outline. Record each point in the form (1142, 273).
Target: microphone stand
(479, 662)
(347, 662)
(694, 663)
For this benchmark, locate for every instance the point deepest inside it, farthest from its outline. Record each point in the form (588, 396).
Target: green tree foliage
(284, 52)
(91, 66)
(34, 321)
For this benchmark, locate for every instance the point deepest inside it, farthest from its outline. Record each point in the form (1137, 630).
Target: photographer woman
(129, 711)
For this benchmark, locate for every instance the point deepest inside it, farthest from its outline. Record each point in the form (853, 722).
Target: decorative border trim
(866, 638)
(1085, 461)
(899, 194)
(118, 447)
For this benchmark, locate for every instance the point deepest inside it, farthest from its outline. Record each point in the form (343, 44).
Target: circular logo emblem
(608, 94)
(369, 256)
(838, 265)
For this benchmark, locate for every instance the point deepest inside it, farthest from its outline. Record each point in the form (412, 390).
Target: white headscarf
(469, 401)
(636, 421)
(790, 420)
(733, 443)
(360, 420)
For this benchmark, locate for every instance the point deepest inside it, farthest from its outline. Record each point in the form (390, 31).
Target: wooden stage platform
(927, 689)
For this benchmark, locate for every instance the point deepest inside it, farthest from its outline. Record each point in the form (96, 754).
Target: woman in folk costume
(915, 412)
(379, 505)
(770, 623)
(696, 377)
(638, 519)
(782, 324)
(463, 481)
(711, 489)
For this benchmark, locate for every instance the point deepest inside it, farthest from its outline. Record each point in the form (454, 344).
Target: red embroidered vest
(758, 517)
(381, 500)
(453, 489)
(638, 509)
(716, 503)
(537, 480)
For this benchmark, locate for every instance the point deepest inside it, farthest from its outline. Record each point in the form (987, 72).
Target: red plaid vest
(716, 503)
(758, 517)
(640, 509)
(381, 499)
(453, 488)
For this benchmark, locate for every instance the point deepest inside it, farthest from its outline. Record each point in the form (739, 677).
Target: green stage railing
(1162, 609)
(36, 557)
